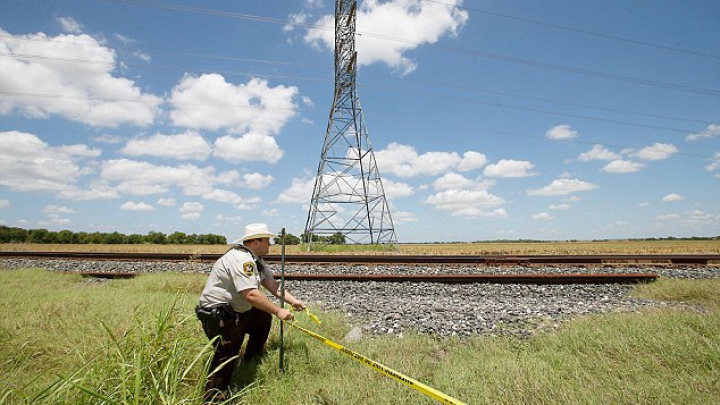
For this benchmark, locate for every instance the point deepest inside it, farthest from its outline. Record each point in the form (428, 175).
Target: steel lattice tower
(348, 197)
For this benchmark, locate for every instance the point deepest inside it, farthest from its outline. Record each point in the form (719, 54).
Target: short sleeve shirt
(234, 272)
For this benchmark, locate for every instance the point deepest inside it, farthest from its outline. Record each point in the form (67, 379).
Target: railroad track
(666, 260)
(530, 261)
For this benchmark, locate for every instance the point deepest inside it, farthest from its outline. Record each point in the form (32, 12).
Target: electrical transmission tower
(348, 197)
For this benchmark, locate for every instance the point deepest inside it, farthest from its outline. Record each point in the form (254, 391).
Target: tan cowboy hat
(255, 231)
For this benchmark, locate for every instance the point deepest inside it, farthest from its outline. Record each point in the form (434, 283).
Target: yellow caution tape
(395, 375)
(312, 316)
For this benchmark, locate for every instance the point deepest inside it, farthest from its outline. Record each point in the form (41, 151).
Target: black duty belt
(218, 311)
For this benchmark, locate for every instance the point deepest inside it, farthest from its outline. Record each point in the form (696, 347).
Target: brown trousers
(256, 324)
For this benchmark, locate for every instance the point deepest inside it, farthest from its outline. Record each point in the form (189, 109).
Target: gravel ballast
(431, 308)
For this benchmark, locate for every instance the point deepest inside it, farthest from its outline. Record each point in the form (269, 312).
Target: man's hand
(299, 305)
(285, 315)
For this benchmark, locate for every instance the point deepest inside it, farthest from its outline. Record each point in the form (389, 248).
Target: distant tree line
(66, 237)
(19, 235)
(669, 238)
(334, 239)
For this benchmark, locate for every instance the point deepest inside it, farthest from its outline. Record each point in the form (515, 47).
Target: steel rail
(527, 278)
(605, 260)
(545, 278)
(539, 279)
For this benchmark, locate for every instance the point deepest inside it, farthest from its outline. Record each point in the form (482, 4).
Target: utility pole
(348, 197)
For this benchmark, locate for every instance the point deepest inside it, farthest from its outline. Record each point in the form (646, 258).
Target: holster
(212, 319)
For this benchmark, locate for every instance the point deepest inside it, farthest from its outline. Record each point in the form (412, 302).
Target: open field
(136, 341)
(485, 248)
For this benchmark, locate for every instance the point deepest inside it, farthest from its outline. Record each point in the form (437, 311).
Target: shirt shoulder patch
(248, 268)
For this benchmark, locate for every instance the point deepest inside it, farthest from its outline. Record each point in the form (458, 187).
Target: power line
(432, 123)
(393, 117)
(157, 67)
(570, 69)
(581, 31)
(547, 100)
(285, 63)
(83, 97)
(384, 88)
(483, 54)
(551, 112)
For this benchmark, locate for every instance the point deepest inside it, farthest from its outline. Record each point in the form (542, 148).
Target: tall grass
(65, 340)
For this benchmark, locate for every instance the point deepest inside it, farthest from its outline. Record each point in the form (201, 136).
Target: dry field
(480, 249)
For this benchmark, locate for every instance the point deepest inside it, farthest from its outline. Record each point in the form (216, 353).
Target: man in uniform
(232, 305)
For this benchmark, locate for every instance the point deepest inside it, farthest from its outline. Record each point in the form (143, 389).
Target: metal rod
(282, 298)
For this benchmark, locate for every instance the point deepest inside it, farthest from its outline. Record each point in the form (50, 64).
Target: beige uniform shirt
(234, 272)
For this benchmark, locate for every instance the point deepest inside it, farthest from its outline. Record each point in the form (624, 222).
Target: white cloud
(96, 192)
(4, 204)
(394, 189)
(79, 151)
(598, 152)
(108, 138)
(672, 197)
(561, 133)
(562, 187)
(134, 206)
(451, 181)
(715, 165)
(404, 161)
(69, 25)
(388, 30)
(54, 209)
(185, 146)
(60, 221)
(247, 148)
(299, 192)
(29, 164)
(192, 207)
(142, 56)
(82, 92)
(166, 202)
(402, 217)
(698, 216)
(622, 166)
(191, 210)
(209, 102)
(712, 131)
(256, 181)
(658, 151)
(270, 213)
(561, 207)
(229, 197)
(542, 216)
(143, 178)
(472, 160)
(222, 218)
(693, 219)
(190, 216)
(296, 19)
(507, 168)
(468, 204)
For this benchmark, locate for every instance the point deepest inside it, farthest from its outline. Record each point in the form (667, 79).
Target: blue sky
(490, 120)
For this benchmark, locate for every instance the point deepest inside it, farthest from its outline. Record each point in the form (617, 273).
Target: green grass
(64, 340)
(325, 248)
